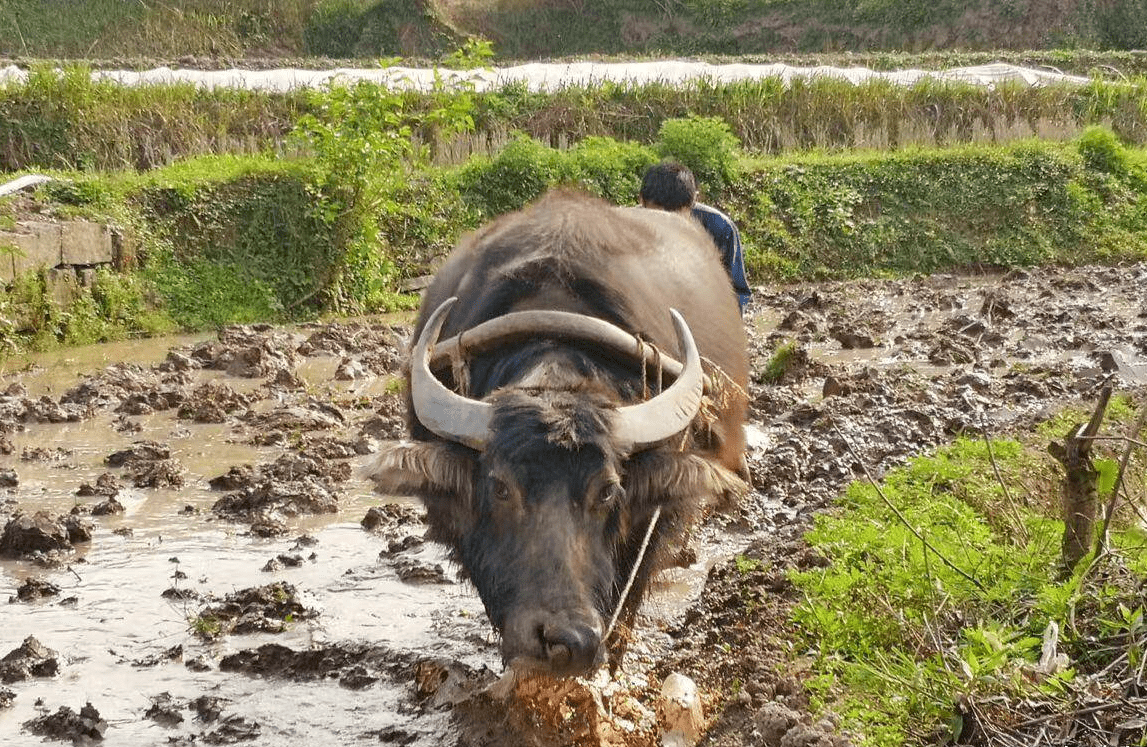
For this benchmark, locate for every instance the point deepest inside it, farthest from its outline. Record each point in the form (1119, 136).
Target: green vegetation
(244, 28)
(245, 238)
(64, 120)
(521, 29)
(779, 363)
(917, 211)
(913, 642)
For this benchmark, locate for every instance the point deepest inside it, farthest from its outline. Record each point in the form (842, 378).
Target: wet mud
(187, 533)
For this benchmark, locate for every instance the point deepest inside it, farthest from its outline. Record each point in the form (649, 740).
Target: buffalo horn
(669, 413)
(449, 415)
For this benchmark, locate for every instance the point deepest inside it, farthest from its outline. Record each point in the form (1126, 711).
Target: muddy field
(191, 555)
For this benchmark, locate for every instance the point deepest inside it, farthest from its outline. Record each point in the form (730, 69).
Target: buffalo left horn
(449, 415)
(642, 425)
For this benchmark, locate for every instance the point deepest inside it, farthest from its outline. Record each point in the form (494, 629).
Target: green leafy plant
(706, 145)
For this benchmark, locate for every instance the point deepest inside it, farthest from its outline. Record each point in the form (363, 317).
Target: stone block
(29, 246)
(86, 243)
(62, 285)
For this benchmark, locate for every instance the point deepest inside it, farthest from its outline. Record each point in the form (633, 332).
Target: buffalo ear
(440, 474)
(664, 477)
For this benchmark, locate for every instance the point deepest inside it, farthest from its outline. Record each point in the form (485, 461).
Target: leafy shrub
(1102, 151)
(609, 168)
(521, 172)
(706, 145)
(403, 27)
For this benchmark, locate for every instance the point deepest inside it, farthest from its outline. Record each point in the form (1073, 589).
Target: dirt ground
(192, 555)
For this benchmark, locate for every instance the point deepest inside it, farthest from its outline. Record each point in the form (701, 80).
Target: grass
(780, 362)
(910, 642)
(61, 119)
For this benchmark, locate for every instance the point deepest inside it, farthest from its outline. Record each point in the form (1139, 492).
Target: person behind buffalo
(672, 187)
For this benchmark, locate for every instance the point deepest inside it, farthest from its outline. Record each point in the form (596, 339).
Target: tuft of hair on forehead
(567, 419)
(572, 425)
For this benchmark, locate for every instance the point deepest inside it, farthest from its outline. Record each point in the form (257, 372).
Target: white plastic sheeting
(551, 76)
(24, 182)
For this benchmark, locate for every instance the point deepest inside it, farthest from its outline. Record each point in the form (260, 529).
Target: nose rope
(632, 574)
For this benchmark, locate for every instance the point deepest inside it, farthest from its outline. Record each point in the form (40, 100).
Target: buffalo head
(544, 491)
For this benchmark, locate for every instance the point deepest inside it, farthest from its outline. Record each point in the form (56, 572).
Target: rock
(679, 712)
(8, 478)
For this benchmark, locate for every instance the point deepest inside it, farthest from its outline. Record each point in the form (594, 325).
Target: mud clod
(42, 533)
(213, 402)
(414, 572)
(33, 589)
(261, 609)
(165, 710)
(390, 517)
(40, 454)
(234, 729)
(208, 707)
(141, 452)
(85, 727)
(108, 507)
(106, 485)
(30, 659)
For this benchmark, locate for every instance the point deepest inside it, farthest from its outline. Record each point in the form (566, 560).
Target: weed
(745, 564)
(779, 362)
(206, 627)
(901, 638)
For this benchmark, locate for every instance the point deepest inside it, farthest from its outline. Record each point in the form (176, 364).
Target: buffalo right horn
(449, 415)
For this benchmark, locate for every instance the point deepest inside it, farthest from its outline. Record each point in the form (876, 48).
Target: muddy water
(111, 625)
(901, 391)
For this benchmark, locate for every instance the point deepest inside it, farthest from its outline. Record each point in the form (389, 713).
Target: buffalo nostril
(571, 648)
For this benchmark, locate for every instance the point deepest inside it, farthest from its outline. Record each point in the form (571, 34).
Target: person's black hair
(669, 186)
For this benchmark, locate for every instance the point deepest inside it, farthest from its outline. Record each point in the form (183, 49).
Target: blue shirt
(728, 240)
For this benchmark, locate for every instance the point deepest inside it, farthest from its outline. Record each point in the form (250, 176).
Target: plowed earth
(193, 556)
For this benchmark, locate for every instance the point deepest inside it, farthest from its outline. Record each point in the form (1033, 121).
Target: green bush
(706, 145)
(821, 216)
(260, 220)
(520, 173)
(611, 169)
(1102, 151)
(526, 168)
(202, 294)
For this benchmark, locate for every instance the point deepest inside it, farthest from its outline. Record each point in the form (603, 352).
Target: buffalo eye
(500, 490)
(609, 496)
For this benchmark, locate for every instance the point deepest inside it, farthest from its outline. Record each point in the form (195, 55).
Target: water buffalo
(542, 445)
